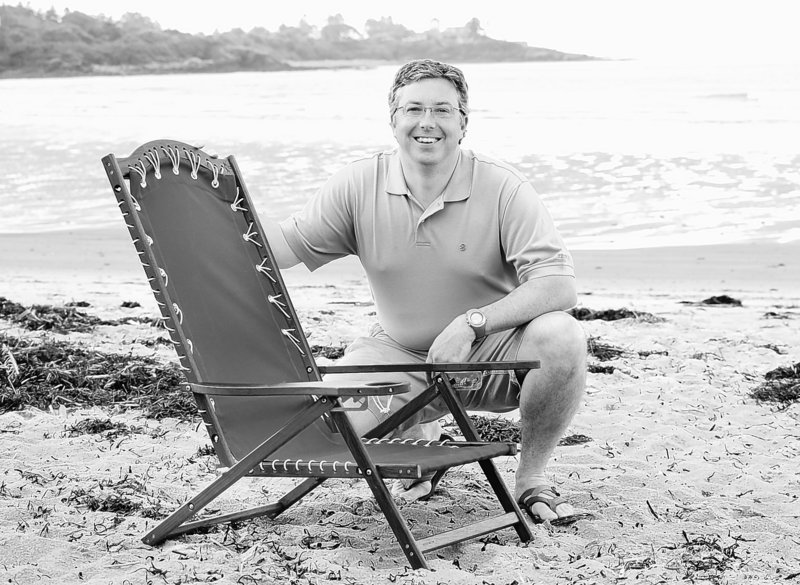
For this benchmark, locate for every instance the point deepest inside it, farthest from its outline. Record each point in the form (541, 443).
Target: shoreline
(748, 267)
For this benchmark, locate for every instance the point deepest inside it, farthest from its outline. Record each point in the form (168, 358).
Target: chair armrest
(306, 388)
(432, 368)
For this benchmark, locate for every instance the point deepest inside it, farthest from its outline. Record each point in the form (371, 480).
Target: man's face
(429, 139)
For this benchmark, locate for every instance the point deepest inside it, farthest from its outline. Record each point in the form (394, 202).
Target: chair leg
(488, 467)
(299, 492)
(407, 542)
(235, 473)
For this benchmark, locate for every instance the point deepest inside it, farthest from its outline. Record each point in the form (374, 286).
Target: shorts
(498, 392)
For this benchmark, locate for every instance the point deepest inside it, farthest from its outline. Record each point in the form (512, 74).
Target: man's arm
(529, 300)
(284, 255)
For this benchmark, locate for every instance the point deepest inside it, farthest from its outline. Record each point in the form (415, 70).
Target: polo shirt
(483, 236)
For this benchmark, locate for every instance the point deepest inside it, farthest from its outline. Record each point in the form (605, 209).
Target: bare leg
(549, 398)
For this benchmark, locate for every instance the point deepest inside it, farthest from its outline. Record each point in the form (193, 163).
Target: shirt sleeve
(530, 239)
(324, 229)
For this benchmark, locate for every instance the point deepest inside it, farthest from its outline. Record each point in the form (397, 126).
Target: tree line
(34, 43)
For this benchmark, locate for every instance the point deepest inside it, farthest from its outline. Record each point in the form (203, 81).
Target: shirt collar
(458, 189)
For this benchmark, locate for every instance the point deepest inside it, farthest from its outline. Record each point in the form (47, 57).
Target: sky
(723, 30)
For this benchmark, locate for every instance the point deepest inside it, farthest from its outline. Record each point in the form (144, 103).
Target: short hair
(420, 69)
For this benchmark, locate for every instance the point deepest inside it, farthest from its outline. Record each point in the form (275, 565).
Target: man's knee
(554, 336)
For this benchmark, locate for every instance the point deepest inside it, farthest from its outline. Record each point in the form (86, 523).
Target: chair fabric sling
(247, 362)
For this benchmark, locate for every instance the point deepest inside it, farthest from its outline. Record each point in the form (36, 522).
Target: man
(464, 264)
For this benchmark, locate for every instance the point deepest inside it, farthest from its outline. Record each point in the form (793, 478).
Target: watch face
(476, 318)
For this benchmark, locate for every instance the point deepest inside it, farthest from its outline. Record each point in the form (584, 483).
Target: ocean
(625, 154)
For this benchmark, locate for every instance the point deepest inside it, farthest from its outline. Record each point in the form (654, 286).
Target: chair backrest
(214, 277)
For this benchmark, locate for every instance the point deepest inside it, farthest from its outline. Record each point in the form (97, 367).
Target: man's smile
(427, 139)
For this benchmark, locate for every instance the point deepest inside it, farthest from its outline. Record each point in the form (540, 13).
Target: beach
(685, 475)
(675, 185)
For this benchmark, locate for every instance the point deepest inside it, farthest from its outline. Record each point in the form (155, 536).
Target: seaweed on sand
(50, 373)
(720, 300)
(100, 426)
(124, 497)
(781, 385)
(704, 557)
(327, 351)
(586, 314)
(603, 351)
(49, 317)
(64, 319)
(493, 428)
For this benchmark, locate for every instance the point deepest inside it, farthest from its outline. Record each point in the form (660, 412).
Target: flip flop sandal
(534, 496)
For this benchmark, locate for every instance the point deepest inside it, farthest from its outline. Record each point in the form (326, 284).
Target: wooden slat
(270, 510)
(432, 368)
(467, 532)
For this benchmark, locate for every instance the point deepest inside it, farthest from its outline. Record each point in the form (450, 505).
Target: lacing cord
(288, 333)
(298, 462)
(417, 442)
(174, 156)
(194, 160)
(250, 236)
(381, 408)
(155, 159)
(140, 170)
(276, 465)
(237, 204)
(215, 169)
(274, 299)
(265, 270)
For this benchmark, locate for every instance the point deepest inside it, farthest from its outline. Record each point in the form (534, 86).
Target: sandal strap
(533, 496)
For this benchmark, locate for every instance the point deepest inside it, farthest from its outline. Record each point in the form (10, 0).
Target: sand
(686, 476)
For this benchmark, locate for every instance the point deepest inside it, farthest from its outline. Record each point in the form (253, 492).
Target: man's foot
(421, 489)
(544, 503)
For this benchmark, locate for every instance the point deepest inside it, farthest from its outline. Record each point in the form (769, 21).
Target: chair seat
(407, 459)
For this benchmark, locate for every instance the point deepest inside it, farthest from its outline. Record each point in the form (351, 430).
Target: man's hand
(453, 343)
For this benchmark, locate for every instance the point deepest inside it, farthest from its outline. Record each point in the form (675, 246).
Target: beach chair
(257, 386)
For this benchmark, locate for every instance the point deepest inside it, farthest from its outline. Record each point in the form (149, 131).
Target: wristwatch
(477, 322)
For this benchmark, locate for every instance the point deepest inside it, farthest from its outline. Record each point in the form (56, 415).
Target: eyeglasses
(441, 111)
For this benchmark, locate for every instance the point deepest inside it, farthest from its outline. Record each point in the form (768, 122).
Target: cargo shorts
(495, 391)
